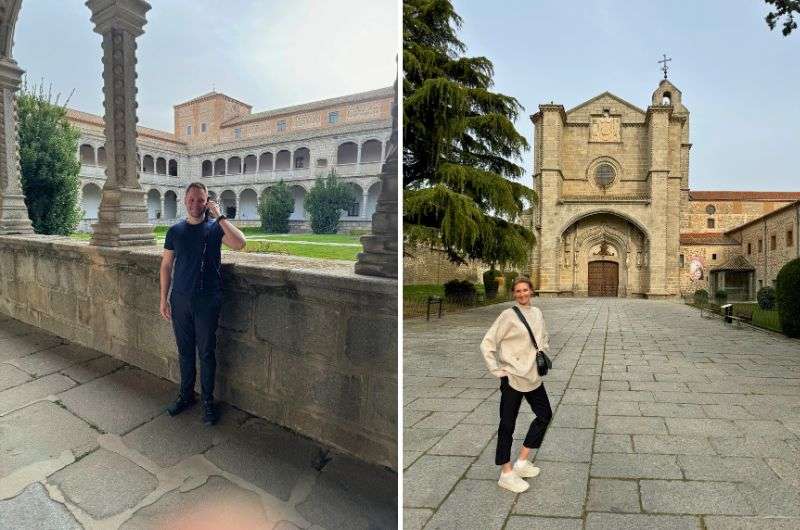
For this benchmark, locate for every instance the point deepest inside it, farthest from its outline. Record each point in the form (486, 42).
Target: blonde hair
(522, 279)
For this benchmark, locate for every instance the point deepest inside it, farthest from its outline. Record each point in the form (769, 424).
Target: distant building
(238, 154)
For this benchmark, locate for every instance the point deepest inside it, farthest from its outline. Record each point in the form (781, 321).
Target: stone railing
(305, 343)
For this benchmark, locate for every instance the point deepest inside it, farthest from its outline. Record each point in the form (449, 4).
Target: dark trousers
(194, 320)
(510, 401)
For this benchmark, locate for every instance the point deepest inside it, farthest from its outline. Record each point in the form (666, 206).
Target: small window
(710, 209)
(713, 257)
(773, 242)
(322, 162)
(761, 245)
(237, 133)
(203, 127)
(281, 125)
(604, 175)
(680, 260)
(189, 130)
(749, 249)
(789, 238)
(333, 117)
(710, 222)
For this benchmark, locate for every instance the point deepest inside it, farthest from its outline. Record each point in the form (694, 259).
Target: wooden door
(603, 278)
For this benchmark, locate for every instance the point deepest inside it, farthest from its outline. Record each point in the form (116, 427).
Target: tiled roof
(212, 94)
(763, 218)
(706, 238)
(94, 119)
(744, 195)
(736, 263)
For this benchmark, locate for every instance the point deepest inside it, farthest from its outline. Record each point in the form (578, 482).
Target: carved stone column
(380, 247)
(13, 212)
(122, 218)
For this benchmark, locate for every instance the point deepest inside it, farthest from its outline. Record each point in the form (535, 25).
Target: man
(191, 267)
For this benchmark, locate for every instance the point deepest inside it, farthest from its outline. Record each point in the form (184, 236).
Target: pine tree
(460, 147)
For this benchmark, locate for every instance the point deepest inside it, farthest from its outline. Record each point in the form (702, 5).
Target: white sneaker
(526, 470)
(512, 482)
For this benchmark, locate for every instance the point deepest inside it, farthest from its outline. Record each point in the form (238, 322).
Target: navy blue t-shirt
(187, 241)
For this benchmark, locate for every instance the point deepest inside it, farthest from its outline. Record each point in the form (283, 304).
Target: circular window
(710, 210)
(604, 175)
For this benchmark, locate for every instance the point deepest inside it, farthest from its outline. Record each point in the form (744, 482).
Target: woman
(511, 356)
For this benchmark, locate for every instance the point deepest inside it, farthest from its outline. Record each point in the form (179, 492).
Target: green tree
(48, 146)
(460, 147)
(787, 296)
(786, 10)
(325, 202)
(275, 207)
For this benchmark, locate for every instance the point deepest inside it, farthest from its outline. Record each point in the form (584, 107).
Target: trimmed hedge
(459, 291)
(766, 298)
(490, 283)
(787, 296)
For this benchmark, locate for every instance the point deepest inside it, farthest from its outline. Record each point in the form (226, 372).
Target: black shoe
(210, 413)
(180, 405)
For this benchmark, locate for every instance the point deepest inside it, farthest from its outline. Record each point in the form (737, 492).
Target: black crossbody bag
(543, 362)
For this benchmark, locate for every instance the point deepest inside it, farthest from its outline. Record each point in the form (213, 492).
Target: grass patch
(767, 318)
(415, 300)
(307, 251)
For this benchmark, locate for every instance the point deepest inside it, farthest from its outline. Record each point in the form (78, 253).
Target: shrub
(459, 291)
(275, 207)
(509, 278)
(325, 202)
(700, 297)
(721, 296)
(766, 298)
(490, 283)
(787, 296)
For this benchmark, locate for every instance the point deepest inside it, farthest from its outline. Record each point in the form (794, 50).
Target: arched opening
(219, 166)
(265, 162)
(302, 158)
(170, 205)
(666, 99)
(149, 164)
(90, 201)
(227, 203)
(87, 155)
(347, 153)
(372, 198)
(356, 206)
(283, 160)
(250, 164)
(298, 194)
(248, 204)
(101, 156)
(207, 169)
(161, 166)
(234, 165)
(153, 205)
(173, 167)
(371, 151)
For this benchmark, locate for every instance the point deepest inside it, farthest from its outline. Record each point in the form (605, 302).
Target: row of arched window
(148, 164)
(346, 153)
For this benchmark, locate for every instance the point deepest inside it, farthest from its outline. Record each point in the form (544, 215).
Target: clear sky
(739, 80)
(267, 53)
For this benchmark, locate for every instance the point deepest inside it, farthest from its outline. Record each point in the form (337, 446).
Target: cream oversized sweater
(507, 347)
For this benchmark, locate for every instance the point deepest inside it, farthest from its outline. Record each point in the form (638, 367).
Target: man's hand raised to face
(213, 209)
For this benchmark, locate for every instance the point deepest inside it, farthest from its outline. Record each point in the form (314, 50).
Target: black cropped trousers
(510, 401)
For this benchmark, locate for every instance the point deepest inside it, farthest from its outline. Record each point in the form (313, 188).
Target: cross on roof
(664, 66)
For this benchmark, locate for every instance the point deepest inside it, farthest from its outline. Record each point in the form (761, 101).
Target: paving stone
(445, 405)
(22, 345)
(729, 469)
(622, 395)
(773, 498)
(481, 393)
(409, 457)
(411, 417)
(466, 440)
(40, 432)
(702, 427)
(606, 495)
(567, 445)
(473, 504)
(415, 518)
(671, 445)
(441, 420)
(120, 401)
(613, 521)
(630, 425)
(727, 411)
(612, 443)
(525, 522)
(25, 393)
(351, 494)
(433, 392)
(559, 490)
(580, 397)
(218, 503)
(428, 481)
(618, 408)
(674, 410)
(55, 359)
(721, 522)
(33, 508)
(271, 457)
(770, 429)
(619, 465)
(789, 472)
(415, 439)
(685, 497)
(577, 416)
(93, 369)
(104, 483)
(12, 376)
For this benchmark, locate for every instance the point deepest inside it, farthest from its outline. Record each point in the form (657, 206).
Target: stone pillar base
(122, 220)
(14, 215)
(380, 249)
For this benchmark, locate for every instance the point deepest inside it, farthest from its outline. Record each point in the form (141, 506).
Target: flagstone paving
(662, 419)
(85, 444)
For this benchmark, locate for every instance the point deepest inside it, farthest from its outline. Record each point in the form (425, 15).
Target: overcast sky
(267, 53)
(739, 80)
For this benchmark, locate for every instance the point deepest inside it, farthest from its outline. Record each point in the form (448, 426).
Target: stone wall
(421, 266)
(304, 343)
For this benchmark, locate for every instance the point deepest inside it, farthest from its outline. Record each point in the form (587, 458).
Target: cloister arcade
(91, 155)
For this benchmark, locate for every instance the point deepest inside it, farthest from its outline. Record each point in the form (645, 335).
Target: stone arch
(227, 203)
(250, 164)
(248, 204)
(87, 155)
(283, 160)
(219, 166)
(148, 164)
(101, 156)
(298, 194)
(154, 204)
(206, 168)
(347, 153)
(161, 166)
(577, 217)
(371, 151)
(234, 165)
(173, 167)
(90, 200)
(373, 193)
(302, 158)
(265, 162)
(356, 208)
(170, 205)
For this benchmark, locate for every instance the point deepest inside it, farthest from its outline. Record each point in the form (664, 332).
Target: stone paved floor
(662, 420)
(84, 443)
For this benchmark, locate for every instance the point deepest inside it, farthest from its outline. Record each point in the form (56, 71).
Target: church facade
(616, 215)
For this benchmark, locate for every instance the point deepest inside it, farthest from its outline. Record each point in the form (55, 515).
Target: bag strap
(522, 318)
